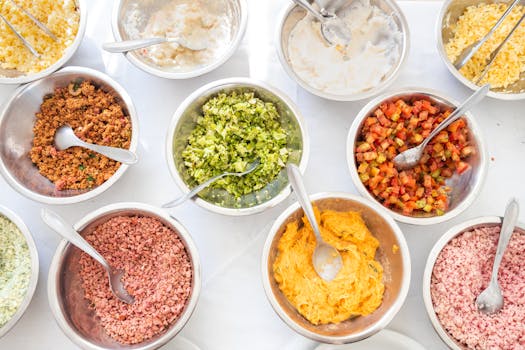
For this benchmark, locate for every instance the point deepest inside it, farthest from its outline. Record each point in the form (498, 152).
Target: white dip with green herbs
(15, 269)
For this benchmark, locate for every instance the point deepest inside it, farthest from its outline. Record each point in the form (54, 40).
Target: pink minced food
(158, 274)
(462, 270)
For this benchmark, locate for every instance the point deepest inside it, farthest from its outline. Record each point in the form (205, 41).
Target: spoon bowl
(60, 226)
(326, 259)
(65, 138)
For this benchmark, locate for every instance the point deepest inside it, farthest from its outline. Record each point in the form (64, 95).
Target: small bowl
(10, 76)
(184, 120)
(16, 129)
(396, 274)
(455, 231)
(125, 11)
(66, 295)
(463, 195)
(293, 14)
(33, 252)
(451, 10)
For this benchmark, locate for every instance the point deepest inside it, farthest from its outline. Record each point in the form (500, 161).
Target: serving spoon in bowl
(490, 300)
(130, 45)
(326, 259)
(410, 157)
(60, 226)
(65, 137)
(251, 167)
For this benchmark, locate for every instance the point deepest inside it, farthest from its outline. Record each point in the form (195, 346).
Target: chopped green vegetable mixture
(235, 130)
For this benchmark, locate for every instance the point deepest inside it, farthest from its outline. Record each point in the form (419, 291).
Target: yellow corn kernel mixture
(60, 16)
(475, 23)
(357, 290)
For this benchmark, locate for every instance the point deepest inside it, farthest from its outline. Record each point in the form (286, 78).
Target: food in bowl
(475, 22)
(96, 117)
(234, 130)
(462, 271)
(202, 24)
(396, 126)
(357, 290)
(61, 17)
(373, 51)
(158, 274)
(15, 269)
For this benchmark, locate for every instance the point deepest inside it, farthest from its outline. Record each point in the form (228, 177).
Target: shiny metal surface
(450, 12)
(485, 221)
(184, 121)
(16, 131)
(293, 14)
(465, 188)
(396, 275)
(11, 76)
(66, 296)
(237, 10)
(33, 252)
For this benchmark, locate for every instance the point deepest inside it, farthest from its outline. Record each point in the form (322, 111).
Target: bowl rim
(127, 101)
(155, 212)
(389, 314)
(451, 233)
(473, 126)
(68, 52)
(285, 12)
(441, 49)
(35, 266)
(242, 82)
(226, 55)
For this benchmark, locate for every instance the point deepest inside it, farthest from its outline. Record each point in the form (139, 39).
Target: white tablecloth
(232, 313)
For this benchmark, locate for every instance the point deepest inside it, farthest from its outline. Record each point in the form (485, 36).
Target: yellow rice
(476, 22)
(60, 16)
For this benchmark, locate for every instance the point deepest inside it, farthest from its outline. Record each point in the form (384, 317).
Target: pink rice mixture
(158, 273)
(462, 271)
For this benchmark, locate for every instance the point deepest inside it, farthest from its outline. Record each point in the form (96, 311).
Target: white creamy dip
(202, 22)
(373, 51)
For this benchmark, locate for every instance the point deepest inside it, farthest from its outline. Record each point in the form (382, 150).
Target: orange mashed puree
(357, 290)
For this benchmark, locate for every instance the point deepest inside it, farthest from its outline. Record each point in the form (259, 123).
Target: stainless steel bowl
(448, 16)
(66, 295)
(184, 120)
(396, 275)
(16, 132)
(464, 189)
(293, 14)
(137, 13)
(10, 76)
(34, 269)
(455, 231)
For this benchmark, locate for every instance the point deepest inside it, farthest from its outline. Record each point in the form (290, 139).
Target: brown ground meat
(158, 274)
(96, 117)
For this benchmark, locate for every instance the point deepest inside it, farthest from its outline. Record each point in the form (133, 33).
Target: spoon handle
(119, 154)
(507, 228)
(308, 7)
(194, 191)
(57, 223)
(295, 178)
(129, 45)
(458, 112)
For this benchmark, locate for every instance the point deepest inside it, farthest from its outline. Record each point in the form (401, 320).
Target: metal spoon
(65, 138)
(410, 158)
(251, 167)
(471, 50)
(491, 300)
(333, 29)
(60, 226)
(326, 259)
(130, 45)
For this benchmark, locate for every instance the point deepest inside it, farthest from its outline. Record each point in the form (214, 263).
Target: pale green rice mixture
(15, 269)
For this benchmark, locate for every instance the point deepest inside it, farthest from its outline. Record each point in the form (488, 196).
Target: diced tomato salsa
(396, 126)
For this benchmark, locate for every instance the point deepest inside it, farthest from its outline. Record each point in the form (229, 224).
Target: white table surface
(233, 312)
